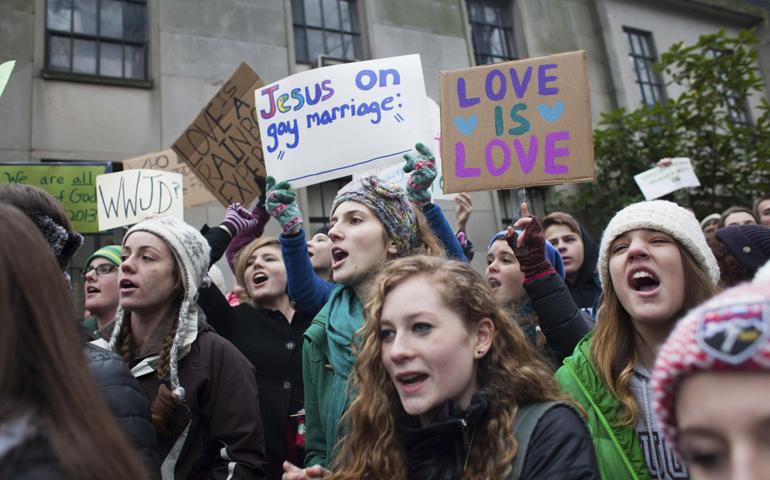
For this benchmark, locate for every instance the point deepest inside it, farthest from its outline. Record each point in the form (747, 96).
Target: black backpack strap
(524, 425)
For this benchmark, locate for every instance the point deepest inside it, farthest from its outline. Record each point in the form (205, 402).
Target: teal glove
(424, 172)
(281, 205)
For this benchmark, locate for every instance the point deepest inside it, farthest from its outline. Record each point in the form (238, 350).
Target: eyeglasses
(103, 269)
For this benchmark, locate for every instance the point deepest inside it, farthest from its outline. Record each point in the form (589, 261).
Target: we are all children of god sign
(517, 124)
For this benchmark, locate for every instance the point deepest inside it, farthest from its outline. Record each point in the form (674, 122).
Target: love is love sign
(334, 121)
(517, 124)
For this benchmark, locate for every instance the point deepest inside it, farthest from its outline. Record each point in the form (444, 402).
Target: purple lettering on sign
(526, 159)
(460, 170)
(520, 87)
(552, 153)
(489, 85)
(465, 102)
(496, 172)
(543, 79)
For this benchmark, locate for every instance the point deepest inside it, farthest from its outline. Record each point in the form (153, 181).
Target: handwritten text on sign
(517, 124)
(130, 196)
(72, 184)
(659, 181)
(195, 193)
(334, 121)
(223, 145)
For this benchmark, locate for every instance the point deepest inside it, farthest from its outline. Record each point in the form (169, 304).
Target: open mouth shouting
(259, 279)
(643, 281)
(127, 286)
(91, 290)
(410, 382)
(494, 283)
(338, 257)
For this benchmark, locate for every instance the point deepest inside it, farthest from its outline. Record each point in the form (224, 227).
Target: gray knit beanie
(192, 253)
(666, 217)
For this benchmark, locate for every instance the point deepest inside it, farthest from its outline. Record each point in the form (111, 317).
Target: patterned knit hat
(389, 202)
(110, 252)
(749, 244)
(666, 217)
(730, 332)
(192, 253)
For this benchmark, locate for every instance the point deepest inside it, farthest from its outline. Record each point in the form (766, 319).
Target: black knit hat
(324, 230)
(749, 244)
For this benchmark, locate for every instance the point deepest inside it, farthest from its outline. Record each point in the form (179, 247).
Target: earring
(480, 351)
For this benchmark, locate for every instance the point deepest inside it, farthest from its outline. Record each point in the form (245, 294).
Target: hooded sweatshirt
(587, 287)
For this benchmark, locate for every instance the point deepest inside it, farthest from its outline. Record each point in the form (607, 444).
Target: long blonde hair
(242, 260)
(510, 374)
(614, 343)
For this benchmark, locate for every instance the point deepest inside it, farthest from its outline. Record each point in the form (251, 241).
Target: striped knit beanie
(730, 332)
(192, 253)
(110, 252)
(389, 203)
(666, 217)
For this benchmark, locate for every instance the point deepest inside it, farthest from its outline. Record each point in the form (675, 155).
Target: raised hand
(238, 219)
(422, 167)
(529, 247)
(280, 204)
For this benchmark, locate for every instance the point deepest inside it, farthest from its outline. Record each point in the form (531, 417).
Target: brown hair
(561, 218)
(613, 345)
(731, 271)
(735, 209)
(165, 406)
(30, 198)
(43, 370)
(510, 374)
(755, 207)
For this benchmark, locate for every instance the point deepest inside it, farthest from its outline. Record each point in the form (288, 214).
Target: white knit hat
(192, 254)
(666, 217)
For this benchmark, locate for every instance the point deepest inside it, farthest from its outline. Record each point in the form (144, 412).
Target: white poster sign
(334, 121)
(130, 196)
(659, 181)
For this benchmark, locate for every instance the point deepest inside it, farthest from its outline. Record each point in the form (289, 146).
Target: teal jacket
(617, 447)
(317, 376)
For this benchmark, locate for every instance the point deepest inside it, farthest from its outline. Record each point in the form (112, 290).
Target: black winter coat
(36, 460)
(127, 403)
(587, 288)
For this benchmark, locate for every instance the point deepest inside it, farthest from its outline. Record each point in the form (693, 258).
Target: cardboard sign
(129, 197)
(334, 121)
(659, 181)
(517, 124)
(395, 173)
(72, 184)
(223, 145)
(195, 193)
(5, 74)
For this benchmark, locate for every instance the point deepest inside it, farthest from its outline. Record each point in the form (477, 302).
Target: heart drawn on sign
(549, 114)
(466, 127)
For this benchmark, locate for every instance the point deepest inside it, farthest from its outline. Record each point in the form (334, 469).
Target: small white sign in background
(130, 196)
(659, 181)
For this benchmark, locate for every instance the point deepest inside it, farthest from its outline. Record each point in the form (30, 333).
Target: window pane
(134, 62)
(300, 47)
(481, 38)
(645, 42)
(641, 93)
(85, 17)
(60, 15)
(649, 98)
(135, 22)
(641, 67)
(315, 44)
(476, 12)
(490, 15)
(637, 46)
(112, 19)
(297, 12)
(59, 53)
(348, 51)
(84, 56)
(345, 14)
(334, 42)
(630, 43)
(313, 13)
(495, 43)
(111, 60)
(331, 16)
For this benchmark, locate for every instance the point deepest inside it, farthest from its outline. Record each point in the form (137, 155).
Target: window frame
(50, 73)
(656, 83)
(301, 26)
(505, 10)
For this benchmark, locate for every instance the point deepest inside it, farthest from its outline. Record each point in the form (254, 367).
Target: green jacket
(318, 383)
(617, 448)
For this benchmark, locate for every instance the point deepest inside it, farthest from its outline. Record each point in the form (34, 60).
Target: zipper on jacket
(466, 437)
(604, 422)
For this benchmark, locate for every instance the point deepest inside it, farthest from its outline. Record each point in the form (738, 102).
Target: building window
(320, 198)
(737, 110)
(492, 31)
(327, 27)
(107, 38)
(641, 54)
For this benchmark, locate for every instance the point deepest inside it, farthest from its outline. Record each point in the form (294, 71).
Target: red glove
(531, 255)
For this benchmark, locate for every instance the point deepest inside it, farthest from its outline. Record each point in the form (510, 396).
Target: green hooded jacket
(617, 447)
(317, 380)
